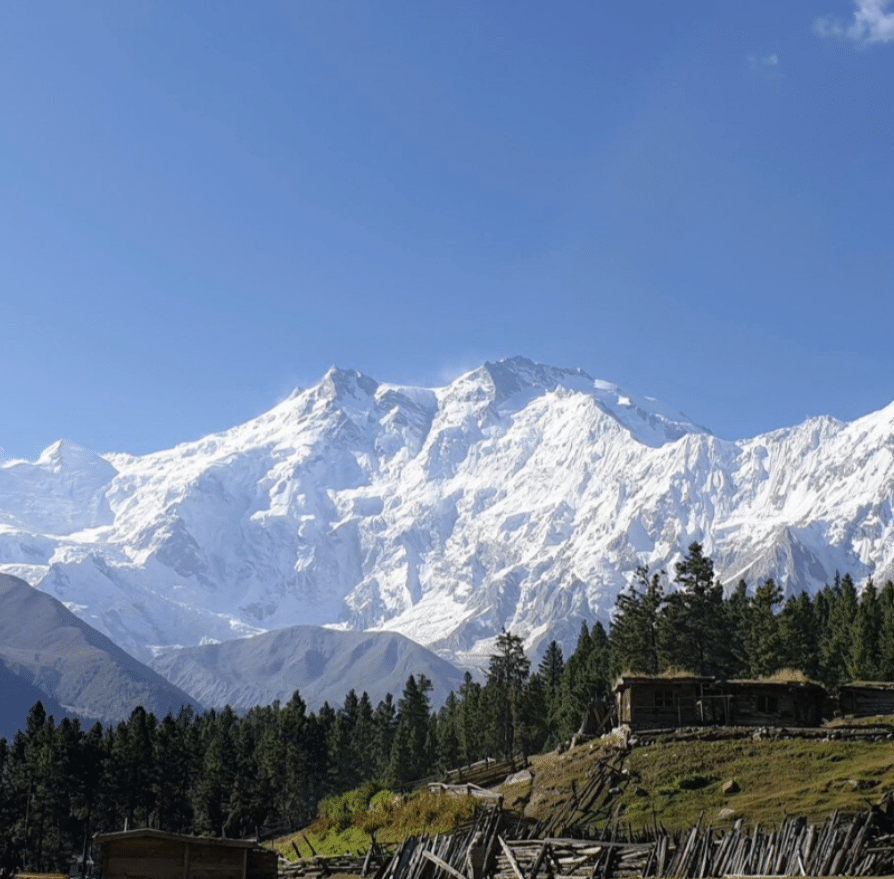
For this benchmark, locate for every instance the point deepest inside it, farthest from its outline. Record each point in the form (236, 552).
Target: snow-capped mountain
(518, 495)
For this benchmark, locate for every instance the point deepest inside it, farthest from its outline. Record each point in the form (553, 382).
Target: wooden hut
(656, 701)
(784, 703)
(865, 698)
(154, 854)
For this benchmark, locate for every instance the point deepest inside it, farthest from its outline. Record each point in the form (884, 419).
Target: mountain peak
(517, 374)
(340, 383)
(514, 381)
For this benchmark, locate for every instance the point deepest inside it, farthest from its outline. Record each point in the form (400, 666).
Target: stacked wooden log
(843, 845)
(583, 808)
(319, 867)
(572, 858)
(468, 789)
(485, 772)
(461, 855)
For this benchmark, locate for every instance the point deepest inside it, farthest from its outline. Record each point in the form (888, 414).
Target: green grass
(673, 783)
(393, 817)
(676, 782)
(776, 778)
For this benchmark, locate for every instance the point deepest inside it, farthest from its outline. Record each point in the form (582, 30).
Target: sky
(204, 205)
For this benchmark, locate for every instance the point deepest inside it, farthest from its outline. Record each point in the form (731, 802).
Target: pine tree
(472, 726)
(835, 638)
(171, 776)
(738, 613)
(344, 755)
(384, 728)
(863, 663)
(635, 624)
(886, 632)
(506, 675)
(764, 643)
(214, 785)
(410, 755)
(584, 679)
(550, 669)
(798, 632)
(693, 635)
(534, 725)
(448, 733)
(10, 809)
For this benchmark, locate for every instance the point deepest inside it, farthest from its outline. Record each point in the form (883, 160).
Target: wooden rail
(861, 845)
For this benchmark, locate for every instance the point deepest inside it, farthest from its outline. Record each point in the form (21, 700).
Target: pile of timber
(854, 846)
(585, 806)
(463, 854)
(312, 868)
(485, 772)
(571, 858)
(318, 867)
(467, 789)
(842, 845)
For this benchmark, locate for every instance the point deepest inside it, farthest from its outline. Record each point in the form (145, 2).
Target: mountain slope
(320, 663)
(519, 495)
(48, 653)
(18, 694)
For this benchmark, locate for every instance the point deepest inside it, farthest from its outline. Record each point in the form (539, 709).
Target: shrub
(338, 810)
(694, 782)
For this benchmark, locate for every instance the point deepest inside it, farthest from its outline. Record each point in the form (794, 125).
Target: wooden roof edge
(635, 678)
(770, 682)
(867, 685)
(660, 680)
(152, 833)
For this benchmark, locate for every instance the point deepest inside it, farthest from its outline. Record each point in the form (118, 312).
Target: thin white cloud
(871, 24)
(766, 65)
(764, 61)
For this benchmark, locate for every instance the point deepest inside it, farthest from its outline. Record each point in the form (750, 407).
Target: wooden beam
(511, 858)
(443, 865)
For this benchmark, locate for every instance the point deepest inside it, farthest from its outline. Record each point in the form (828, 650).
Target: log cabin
(865, 698)
(660, 702)
(154, 854)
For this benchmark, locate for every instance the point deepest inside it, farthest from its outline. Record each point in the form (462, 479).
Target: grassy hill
(670, 781)
(673, 782)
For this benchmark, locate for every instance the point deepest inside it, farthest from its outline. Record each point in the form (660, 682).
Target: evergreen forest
(265, 772)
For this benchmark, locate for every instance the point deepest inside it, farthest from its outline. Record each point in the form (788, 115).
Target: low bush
(694, 782)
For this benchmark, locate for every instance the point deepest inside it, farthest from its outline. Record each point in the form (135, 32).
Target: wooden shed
(154, 854)
(787, 703)
(656, 702)
(865, 698)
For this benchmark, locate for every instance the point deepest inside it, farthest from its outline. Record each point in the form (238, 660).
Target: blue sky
(206, 204)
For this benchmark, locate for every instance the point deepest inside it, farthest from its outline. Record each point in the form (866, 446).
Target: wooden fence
(494, 847)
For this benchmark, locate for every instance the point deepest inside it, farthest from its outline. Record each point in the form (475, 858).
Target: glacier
(519, 495)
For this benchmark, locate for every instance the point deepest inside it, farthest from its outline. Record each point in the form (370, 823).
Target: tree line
(832, 637)
(222, 774)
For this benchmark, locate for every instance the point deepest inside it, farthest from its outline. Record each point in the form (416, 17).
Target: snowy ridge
(520, 495)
